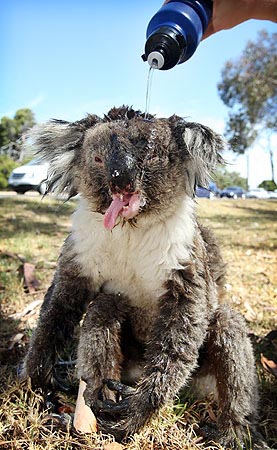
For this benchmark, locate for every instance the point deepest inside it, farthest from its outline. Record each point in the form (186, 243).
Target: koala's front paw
(123, 416)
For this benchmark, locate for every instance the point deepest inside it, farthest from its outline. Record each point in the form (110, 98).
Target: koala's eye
(98, 160)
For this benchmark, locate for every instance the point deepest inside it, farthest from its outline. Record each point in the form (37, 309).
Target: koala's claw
(114, 408)
(120, 388)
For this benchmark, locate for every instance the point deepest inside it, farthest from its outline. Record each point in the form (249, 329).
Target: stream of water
(148, 90)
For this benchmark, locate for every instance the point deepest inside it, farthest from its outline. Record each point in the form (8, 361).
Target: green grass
(32, 230)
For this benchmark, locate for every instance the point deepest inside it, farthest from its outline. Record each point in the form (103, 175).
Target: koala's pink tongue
(113, 212)
(116, 208)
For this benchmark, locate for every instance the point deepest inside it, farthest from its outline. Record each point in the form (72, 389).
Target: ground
(31, 234)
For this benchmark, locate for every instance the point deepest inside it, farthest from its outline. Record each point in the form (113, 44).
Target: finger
(209, 31)
(113, 408)
(122, 389)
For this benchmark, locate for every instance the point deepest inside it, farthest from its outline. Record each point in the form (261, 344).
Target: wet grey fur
(181, 327)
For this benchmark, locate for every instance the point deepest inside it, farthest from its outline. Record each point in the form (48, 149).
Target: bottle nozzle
(155, 60)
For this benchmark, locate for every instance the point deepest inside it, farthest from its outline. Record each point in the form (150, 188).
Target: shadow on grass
(262, 246)
(268, 214)
(24, 226)
(40, 206)
(238, 221)
(10, 355)
(13, 331)
(32, 217)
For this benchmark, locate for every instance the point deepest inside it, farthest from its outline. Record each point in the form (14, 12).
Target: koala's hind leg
(230, 357)
(99, 351)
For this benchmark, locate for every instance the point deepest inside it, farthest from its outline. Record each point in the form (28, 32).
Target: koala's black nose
(121, 181)
(122, 174)
(122, 168)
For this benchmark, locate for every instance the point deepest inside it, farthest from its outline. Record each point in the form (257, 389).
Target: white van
(30, 177)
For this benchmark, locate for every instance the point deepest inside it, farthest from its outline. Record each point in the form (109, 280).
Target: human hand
(229, 13)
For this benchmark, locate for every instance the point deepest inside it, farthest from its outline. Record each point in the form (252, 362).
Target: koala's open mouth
(124, 205)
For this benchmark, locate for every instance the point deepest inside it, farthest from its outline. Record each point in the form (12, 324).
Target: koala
(141, 271)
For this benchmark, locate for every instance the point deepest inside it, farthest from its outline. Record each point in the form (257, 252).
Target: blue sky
(64, 59)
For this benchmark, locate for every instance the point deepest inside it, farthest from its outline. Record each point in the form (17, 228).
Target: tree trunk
(271, 158)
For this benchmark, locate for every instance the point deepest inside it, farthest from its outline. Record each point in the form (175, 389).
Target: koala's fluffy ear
(201, 145)
(59, 143)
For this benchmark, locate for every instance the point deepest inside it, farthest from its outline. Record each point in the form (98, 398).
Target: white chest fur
(132, 261)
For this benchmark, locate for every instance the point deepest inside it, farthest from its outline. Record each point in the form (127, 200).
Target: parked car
(210, 192)
(233, 192)
(213, 187)
(257, 193)
(30, 177)
(204, 193)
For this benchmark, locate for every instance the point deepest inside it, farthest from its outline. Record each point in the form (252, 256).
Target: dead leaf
(269, 365)
(31, 309)
(12, 255)
(212, 414)
(30, 281)
(84, 419)
(68, 409)
(250, 314)
(228, 287)
(15, 339)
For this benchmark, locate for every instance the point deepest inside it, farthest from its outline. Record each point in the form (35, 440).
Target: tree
(6, 166)
(249, 88)
(24, 119)
(224, 178)
(7, 131)
(269, 185)
(12, 130)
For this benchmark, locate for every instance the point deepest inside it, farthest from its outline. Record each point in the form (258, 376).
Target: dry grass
(33, 230)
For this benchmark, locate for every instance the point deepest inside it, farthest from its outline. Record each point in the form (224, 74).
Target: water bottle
(175, 31)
